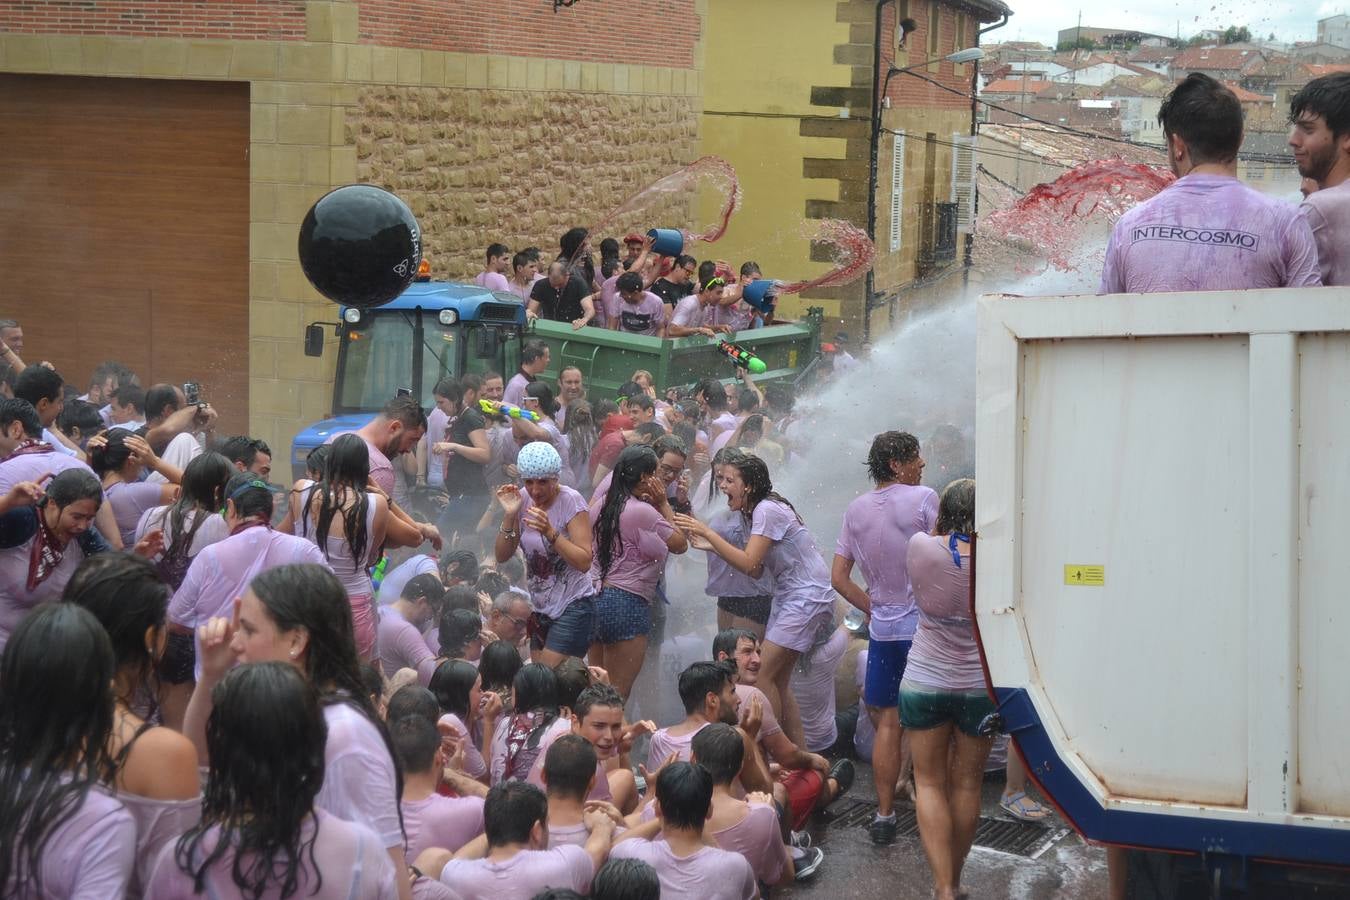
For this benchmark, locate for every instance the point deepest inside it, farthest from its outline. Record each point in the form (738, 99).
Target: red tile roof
(1032, 86)
(1246, 96)
(1202, 58)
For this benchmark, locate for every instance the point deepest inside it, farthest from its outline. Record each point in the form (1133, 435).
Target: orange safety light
(423, 270)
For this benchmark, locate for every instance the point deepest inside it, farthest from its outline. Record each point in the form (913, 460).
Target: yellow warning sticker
(1085, 576)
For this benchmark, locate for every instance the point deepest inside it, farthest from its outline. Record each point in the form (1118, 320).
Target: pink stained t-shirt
(401, 646)
(724, 580)
(663, 743)
(768, 725)
(690, 313)
(493, 281)
(129, 502)
(346, 855)
(474, 764)
(359, 782)
(553, 583)
(381, 469)
(609, 299)
(757, 838)
(90, 855)
(1209, 233)
(875, 534)
(799, 574)
(944, 654)
(647, 316)
(16, 600)
(440, 821)
(709, 873)
(514, 392)
(640, 553)
(1328, 215)
(522, 876)
(32, 466)
(158, 822)
(221, 573)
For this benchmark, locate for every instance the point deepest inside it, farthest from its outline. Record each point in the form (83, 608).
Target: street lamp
(969, 54)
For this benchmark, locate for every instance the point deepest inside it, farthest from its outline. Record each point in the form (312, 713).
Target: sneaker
(882, 830)
(801, 840)
(809, 863)
(843, 773)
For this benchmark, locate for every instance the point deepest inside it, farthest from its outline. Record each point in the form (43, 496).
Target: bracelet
(553, 540)
(510, 535)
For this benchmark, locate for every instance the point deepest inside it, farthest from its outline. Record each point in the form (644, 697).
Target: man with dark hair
(1207, 231)
(127, 407)
(875, 534)
(717, 415)
(748, 826)
(597, 716)
(102, 382)
(523, 272)
(173, 425)
(608, 448)
(402, 623)
(639, 310)
(430, 819)
(625, 879)
(534, 359)
(43, 386)
(493, 276)
(518, 863)
(688, 868)
(568, 771)
(249, 455)
(1320, 116)
(563, 296)
(708, 692)
(676, 284)
(395, 431)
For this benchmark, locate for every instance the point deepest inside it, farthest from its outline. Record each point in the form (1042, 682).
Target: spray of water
(709, 173)
(853, 256)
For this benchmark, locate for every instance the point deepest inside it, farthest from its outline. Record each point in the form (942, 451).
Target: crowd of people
(412, 673)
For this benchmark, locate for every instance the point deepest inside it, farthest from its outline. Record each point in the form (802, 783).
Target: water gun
(377, 574)
(497, 408)
(742, 357)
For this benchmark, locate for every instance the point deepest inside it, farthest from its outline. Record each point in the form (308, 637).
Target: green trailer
(609, 358)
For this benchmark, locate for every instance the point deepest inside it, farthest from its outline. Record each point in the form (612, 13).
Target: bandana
(46, 554)
(539, 460)
(28, 447)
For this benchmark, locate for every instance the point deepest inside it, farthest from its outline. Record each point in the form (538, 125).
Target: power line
(979, 149)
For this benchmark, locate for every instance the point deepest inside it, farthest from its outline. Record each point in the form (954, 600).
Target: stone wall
(520, 167)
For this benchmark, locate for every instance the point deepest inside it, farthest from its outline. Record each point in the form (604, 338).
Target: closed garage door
(124, 229)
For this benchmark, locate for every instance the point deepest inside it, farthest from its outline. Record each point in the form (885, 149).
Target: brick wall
(478, 166)
(227, 19)
(906, 90)
(646, 32)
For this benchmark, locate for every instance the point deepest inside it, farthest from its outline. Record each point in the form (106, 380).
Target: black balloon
(360, 246)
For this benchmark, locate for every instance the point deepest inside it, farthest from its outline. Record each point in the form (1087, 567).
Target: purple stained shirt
(381, 469)
(1209, 233)
(875, 534)
(736, 316)
(608, 307)
(724, 580)
(799, 574)
(1328, 215)
(90, 855)
(514, 392)
(493, 281)
(522, 876)
(129, 502)
(394, 583)
(353, 573)
(474, 765)
(359, 782)
(944, 654)
(708, 873)
(32, 466)
(644, 317)
(16, 601)
(439, 821)
(690, 313)
(552, 582)
(639, 556)
(757, 838)
(768, 725)
(346, 856)
(812, 683)
(222, 572)
(401, 646)
(158, 822)
(437, 423)
(663, 743)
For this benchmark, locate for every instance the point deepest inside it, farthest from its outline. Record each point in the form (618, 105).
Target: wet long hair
(633, 464)
(266, 736)
(956, 508)
(458, 629)
(309, 596)
(56, 715)
(251, 497)
(544, 394)
(534, 690)
(451, 685)
(203, 493)
(498, 665)
(725, 456)
(346, 469)
(758, 485)
(579, 426)
(128, 597)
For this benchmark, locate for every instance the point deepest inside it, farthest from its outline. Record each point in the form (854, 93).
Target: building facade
(167, 152)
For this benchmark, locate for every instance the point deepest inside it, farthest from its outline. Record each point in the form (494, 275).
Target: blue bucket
(759, 294)
(667, 241)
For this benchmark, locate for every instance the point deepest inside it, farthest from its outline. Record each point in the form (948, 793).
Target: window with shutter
(963, 179)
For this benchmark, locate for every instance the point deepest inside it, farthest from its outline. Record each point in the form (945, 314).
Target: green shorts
(923, 707)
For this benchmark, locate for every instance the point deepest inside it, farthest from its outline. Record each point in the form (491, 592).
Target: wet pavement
(857, 870)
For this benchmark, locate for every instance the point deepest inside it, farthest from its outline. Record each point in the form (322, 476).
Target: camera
(192, 393)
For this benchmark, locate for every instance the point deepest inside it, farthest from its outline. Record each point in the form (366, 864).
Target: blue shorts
(885, 667)
(620, 616)
(569, 634)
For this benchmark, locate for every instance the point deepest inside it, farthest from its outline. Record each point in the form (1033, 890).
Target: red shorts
(803, 788)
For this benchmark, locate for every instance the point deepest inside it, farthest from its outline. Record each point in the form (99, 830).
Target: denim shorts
(885, 668)
(756, 609)
(569, 634)
(620, 616)
(923, 707)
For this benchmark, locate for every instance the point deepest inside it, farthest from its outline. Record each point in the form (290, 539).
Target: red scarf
(46, 554)
(29, 446)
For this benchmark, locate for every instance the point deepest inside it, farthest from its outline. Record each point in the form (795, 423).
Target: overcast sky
(1036, 20)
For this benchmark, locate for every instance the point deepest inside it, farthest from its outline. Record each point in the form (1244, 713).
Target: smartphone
(192, 392)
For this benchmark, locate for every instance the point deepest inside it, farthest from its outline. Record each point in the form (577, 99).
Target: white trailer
(1163, 565)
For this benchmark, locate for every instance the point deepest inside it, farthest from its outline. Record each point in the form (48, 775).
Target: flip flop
(1022, 807)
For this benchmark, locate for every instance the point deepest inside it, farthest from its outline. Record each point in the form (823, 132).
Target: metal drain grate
(1026, 839)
